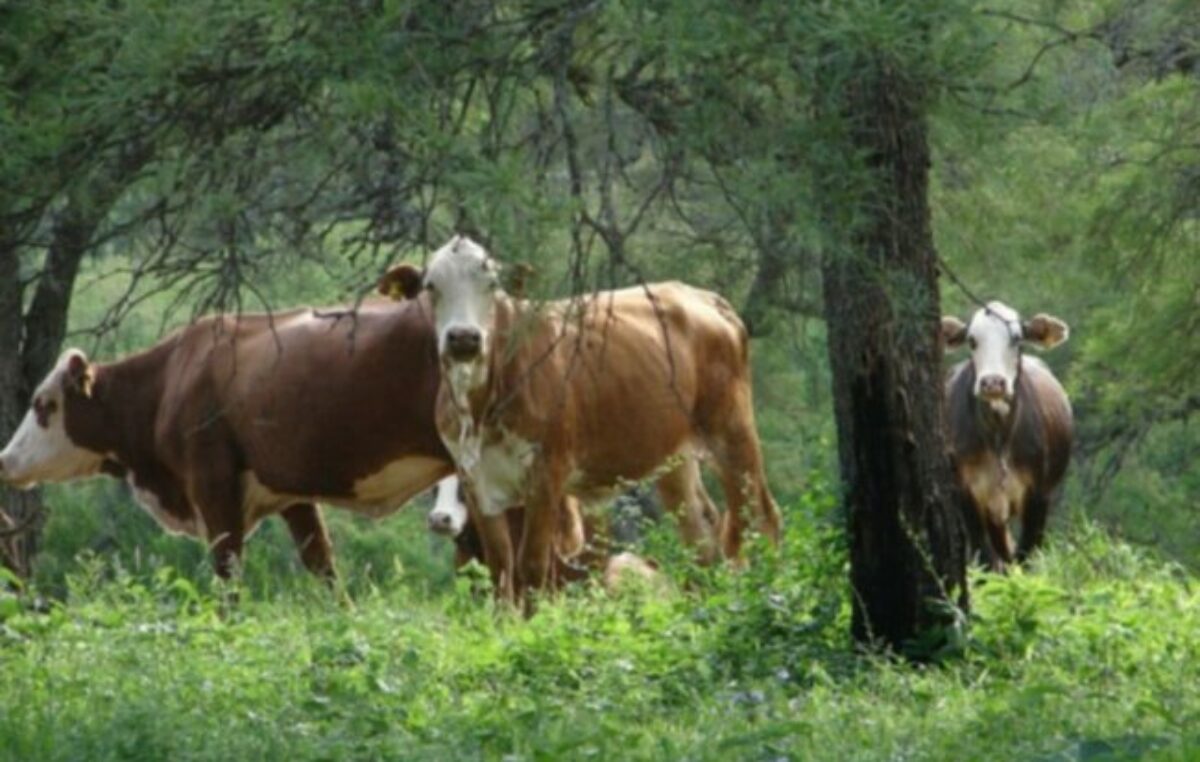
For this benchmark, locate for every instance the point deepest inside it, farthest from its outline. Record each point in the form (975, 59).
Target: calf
(577, 553)
(231, 420)
(1009, 424)
(575, 397)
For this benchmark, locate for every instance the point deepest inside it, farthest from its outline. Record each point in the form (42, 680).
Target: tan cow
(576, 397)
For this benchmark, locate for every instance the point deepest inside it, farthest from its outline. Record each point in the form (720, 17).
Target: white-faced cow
(574, 397)
(1009, 423)
(231, 420)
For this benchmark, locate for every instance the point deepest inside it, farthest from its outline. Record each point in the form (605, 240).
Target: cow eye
(971, 342)
(42, 410)
(429, 287)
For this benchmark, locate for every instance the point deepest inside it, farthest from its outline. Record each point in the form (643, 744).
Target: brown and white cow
(230, 420)
(575, 397)
(1009, 423)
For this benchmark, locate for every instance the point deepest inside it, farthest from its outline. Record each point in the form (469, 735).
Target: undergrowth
(1092, 653)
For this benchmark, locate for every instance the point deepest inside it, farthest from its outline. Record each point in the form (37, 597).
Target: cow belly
(997, 488)
(376, 495)
(381, 493)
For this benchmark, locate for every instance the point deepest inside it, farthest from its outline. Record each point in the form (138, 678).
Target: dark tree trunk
(20, 512)
(907, 539)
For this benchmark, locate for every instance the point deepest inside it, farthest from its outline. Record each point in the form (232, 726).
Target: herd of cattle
(526, 412)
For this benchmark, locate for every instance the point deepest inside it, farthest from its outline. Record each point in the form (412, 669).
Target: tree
(882, 309)
(61, 186)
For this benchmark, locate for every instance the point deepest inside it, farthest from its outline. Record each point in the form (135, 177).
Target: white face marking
(41, 450)
(449, 513)
(994, 339)
(461, 279)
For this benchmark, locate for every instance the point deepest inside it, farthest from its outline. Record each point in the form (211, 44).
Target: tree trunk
(20, 512)
(907, 538)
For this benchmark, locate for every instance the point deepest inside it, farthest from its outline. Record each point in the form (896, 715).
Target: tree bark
(18, 510)
(907, 537)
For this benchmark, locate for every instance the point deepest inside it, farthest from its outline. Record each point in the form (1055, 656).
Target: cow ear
(515, 277)
(401, 282)
(79, 374)
(954, 332)
(1045, 330)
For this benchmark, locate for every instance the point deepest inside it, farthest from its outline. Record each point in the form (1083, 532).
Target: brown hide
(1031, 444)
(612, 387)
(232, 419)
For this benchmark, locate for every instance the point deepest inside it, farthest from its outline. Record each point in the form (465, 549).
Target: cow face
(462, 282)
(995, 337)
(449, 514)
(41, 450)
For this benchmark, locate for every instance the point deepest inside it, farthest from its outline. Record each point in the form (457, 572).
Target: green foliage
(1091, 653)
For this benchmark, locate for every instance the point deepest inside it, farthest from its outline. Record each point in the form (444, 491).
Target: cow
(576, 555)
(1010, 426)
(578, 396)
(233, 419)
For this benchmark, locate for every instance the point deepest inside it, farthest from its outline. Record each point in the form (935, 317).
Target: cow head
(41, 450)
(463, 285)
(449, 513)
(994, 337)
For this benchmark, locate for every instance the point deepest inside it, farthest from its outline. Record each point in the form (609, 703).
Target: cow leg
(973, 520)
(1001, 542)
(739, 460)
(216, 490)
(1033, 524)
(498, 555)
(495, 540)
(996, 519)
(544, 502)
(683, 494)
(570, 537)
(226, 549)
(312, 540)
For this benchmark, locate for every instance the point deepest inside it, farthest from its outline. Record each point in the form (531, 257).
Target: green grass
(1094, 654)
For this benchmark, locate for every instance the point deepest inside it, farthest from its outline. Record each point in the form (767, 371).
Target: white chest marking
(497, 471)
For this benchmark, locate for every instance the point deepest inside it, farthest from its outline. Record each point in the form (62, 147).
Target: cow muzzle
(993, 387)
(464, 344)
(441, 523)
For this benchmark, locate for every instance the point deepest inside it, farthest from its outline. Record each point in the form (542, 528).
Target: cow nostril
(464, 342)
(993, 385)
